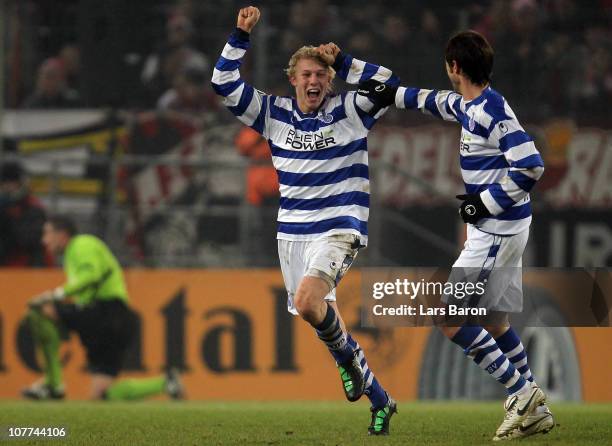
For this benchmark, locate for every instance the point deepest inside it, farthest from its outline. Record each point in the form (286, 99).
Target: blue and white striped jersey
(498, 158)
(321, 158)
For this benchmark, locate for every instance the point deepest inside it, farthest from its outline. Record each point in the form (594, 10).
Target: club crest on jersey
(503, 127)
(327, 118)
(472, 124)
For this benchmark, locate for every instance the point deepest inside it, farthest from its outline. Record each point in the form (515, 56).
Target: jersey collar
(313, 114)
(478, 99)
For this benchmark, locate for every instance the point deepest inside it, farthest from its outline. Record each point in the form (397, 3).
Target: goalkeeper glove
(472, 209)
(382, 95)
(48, 296)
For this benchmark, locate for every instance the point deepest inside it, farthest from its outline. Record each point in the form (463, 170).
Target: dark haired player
(99, 313)
(500, 165)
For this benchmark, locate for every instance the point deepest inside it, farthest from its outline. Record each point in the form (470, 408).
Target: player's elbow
(537, 172)
(216, 87)
(217, 82)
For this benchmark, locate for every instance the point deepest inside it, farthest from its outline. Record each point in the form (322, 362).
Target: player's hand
(382, 95)
(248, 18)
(48, 296)
(472, 209)
(328, 52)
(41, 299)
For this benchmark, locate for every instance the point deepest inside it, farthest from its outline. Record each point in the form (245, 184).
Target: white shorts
(499, 260)
(328, 258)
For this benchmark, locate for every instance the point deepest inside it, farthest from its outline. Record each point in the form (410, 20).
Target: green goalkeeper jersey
(93, 272)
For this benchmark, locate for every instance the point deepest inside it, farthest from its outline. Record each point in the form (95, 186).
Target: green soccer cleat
(381, 417)
(40, 391)
(353, 381)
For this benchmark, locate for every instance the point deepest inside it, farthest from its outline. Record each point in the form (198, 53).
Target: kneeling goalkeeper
(94, 303)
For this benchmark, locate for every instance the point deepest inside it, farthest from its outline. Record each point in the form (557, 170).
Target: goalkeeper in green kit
(94, 303)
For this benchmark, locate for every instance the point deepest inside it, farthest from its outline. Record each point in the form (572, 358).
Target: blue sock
(511, 345)
(479, 345)
(373, 390)
(330, 332)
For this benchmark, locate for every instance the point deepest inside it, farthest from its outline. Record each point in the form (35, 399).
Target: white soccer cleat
(541, 421)
(42, 391)
(174, 385)
(518, 408)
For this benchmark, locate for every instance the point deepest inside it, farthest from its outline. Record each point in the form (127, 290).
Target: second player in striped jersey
(499, 165)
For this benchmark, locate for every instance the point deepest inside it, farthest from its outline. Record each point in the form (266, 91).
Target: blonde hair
(308, 52)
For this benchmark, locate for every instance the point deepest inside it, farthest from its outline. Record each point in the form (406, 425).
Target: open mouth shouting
(313, 94)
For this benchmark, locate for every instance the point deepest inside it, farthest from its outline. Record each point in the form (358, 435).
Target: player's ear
(293, 80)
(455, 67)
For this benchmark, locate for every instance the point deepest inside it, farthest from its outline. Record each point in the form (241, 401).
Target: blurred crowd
(22, 216)
(553, 57)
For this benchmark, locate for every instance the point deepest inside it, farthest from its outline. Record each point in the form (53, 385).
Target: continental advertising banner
(228, 330)
(230, 333)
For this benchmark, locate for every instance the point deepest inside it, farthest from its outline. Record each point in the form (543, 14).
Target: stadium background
(182, 185)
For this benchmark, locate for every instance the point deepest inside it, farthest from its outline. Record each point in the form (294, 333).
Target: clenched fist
(328, 52)
(247, 18)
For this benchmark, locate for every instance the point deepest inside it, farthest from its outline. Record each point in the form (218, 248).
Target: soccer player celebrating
(319, 150)
(500, 165)
(99, 314)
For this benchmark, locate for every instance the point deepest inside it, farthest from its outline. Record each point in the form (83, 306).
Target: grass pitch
(280, 423)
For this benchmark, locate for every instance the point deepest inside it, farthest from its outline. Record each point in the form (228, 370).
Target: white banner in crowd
(419, 163)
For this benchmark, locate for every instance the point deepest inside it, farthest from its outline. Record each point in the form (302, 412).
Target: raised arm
(443, 104)
(354, 71)
(244, 101)
(382, 88)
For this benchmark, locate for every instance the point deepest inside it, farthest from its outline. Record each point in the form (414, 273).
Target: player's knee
(35, 317)
(98, 395)
(98, 391)
(305, 304)
(310, 306)
(309, 297)
(99, 387)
